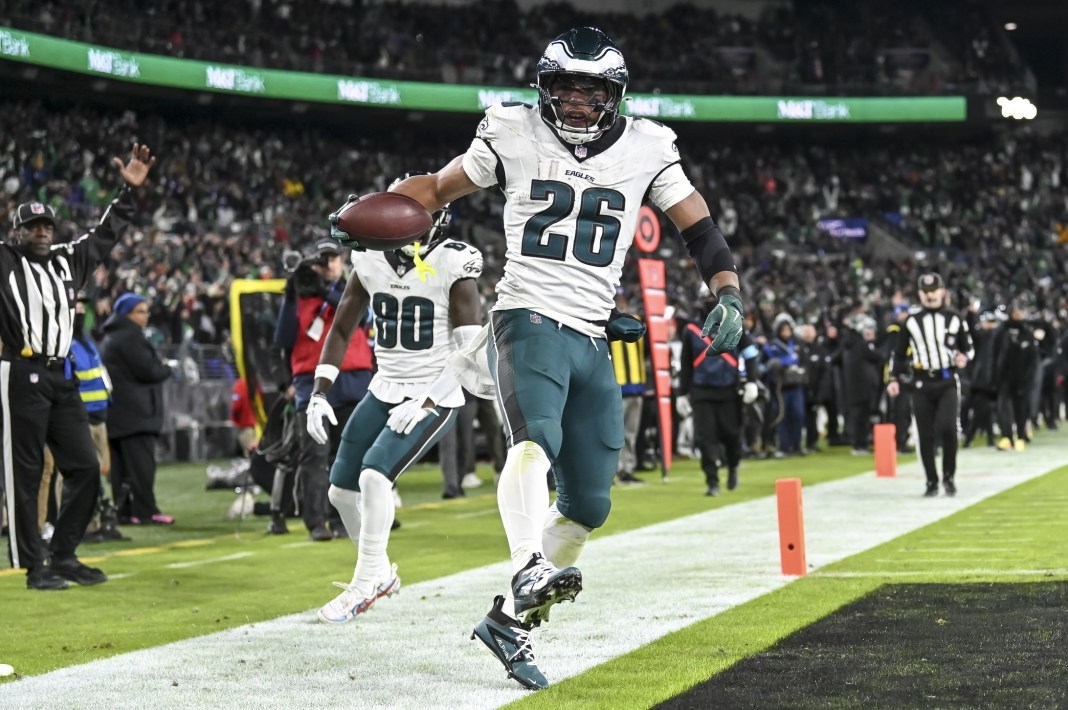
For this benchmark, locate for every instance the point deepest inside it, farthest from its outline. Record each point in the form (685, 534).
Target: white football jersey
(571, 210)
(413, 334)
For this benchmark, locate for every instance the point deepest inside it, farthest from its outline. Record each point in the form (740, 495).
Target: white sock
(376, 510)
(562, 539)
(348, 506)
(522, 497)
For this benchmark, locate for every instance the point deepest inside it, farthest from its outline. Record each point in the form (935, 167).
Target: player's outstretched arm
(715, 262)
(437, 190)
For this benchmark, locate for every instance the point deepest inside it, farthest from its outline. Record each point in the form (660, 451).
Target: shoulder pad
(504, 119)
(650, 127)
(465, 259)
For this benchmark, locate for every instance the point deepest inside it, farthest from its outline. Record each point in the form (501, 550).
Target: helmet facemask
(437, 232)
(582, 61)
(434, 236)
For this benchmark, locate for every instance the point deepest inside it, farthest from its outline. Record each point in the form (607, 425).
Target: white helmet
(436, 234)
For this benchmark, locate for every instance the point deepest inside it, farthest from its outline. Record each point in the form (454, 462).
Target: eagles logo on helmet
(436, 234)
(588, 60)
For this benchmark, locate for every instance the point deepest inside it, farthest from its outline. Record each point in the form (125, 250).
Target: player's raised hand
(724, 323)
(135, 171)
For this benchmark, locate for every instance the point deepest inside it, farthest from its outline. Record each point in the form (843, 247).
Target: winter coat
(137, 377)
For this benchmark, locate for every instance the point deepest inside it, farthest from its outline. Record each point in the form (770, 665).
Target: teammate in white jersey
(425, 304)
(575, 174)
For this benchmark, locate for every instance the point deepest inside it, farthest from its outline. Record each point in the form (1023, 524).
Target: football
(384, 221)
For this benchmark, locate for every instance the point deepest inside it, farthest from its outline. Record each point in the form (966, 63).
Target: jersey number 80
(410, 321)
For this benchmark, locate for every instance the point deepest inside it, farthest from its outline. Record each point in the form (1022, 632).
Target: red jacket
(241, 413)
(306, 351)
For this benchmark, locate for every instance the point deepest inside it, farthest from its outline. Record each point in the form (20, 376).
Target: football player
(425, 303)
(575, 173)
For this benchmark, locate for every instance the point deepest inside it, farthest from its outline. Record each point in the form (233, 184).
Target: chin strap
(421, 267)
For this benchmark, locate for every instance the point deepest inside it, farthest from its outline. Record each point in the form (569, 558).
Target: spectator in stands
(785, 379)
(862, 365)
(308, 310)
(982, 400)
(135, 417)
(819, 382)
(1015, 363)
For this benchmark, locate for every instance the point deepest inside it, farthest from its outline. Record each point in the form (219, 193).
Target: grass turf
(200, 576)
(1006, 538)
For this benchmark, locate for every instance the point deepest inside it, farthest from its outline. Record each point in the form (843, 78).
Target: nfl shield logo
(580, 151)
(33, 378)
(535, 318)
(37, 208)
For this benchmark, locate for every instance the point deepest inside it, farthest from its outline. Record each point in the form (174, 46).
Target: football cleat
(511, 643)
(350, 603)
(539, 585)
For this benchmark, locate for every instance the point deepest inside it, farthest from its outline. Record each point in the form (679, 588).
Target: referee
(940, 345)
(39, 396)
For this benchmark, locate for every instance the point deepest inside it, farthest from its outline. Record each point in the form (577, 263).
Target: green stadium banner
(156, 70)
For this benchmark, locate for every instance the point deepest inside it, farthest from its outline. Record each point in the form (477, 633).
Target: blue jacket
(93, 382)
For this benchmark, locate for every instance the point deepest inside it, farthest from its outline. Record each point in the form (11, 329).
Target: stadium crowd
(258, 192)
(866, 47)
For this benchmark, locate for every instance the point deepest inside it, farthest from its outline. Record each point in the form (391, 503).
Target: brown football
(384, 221)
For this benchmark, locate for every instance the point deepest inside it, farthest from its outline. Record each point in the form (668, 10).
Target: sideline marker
(791, 527)
(885, 450)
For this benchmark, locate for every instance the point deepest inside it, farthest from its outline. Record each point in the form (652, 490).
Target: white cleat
(350, 603)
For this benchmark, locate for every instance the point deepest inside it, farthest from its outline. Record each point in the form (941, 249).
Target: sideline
(412, 651)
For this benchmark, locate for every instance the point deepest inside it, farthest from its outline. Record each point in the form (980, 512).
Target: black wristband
(708, 248)
(729, 290)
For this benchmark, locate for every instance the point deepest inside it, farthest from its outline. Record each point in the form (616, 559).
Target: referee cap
(33, 211)
(930, 282)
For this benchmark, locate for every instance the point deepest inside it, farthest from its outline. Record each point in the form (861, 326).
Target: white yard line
(412, 651)
(209, 560)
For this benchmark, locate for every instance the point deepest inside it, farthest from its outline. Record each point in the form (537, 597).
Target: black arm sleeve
(708, 248)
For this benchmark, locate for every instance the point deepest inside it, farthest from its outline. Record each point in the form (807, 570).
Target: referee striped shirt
(929, 342)
(37, 294)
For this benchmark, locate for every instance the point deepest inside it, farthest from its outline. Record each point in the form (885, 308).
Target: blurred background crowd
(865, 47)
(235, 192)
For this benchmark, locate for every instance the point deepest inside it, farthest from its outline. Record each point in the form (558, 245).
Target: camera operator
(308, 309)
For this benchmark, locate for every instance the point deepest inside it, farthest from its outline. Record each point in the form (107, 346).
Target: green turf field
(205, 574)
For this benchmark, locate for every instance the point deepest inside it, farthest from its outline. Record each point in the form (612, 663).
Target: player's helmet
(436, 234)
(588, 53)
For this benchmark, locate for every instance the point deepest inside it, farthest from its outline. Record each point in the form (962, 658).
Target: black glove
(625, 327)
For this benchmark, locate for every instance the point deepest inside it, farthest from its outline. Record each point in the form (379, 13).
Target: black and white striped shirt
(37, 295)
(933, 337)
